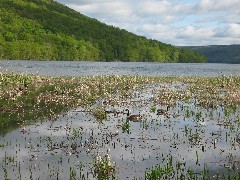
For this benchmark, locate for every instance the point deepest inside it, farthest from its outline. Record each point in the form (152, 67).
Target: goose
(74, 146)
(163, 111)
(133, 117)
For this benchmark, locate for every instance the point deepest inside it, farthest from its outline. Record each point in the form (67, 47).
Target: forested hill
(219, 53)
(47, 30)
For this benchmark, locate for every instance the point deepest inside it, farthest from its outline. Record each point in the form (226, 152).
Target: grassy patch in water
(169, 170)
(100, 114)
(28, 98)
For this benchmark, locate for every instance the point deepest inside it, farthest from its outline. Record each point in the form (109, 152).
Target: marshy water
(194, 137)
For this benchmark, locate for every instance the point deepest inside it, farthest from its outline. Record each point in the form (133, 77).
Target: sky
(176, 22)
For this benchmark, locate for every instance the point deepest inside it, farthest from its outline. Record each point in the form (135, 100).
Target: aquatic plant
(161, 172)
(153, 109)
(126, 126)
(73, 175)
(104, 168)
(75, 133)
(100, 114)
(167, 170)
(5, 173)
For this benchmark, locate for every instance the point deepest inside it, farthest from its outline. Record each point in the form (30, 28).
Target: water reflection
(51, 148)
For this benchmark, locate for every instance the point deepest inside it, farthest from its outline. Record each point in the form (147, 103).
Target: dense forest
(219, 53)
(48, 30)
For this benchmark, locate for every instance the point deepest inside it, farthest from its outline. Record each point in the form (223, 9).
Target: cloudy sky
(177, 22)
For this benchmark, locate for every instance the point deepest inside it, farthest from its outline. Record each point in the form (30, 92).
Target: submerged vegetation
(48, 30)
(184, 121)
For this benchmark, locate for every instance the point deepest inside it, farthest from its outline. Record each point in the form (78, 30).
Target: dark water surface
(67, 68)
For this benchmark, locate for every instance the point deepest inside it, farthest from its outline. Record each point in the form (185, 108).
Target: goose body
(74, 146)
(133, 117)
(163, 111)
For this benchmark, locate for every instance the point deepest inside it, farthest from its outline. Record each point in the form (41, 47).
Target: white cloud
(109, 12)
(218, 5)
(193, 22)
(153, 28)
(191, 32)
(234, 30)
(231, 30)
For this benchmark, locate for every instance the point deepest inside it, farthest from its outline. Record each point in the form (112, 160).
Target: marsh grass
(100, 114)
(126, 126)
(104, 168)
(168, 172)
(173, 169)
(28, 98)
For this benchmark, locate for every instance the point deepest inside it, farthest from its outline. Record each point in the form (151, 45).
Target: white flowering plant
(104, 168)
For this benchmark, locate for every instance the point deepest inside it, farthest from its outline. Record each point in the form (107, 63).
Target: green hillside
(47, 30)
(219, 53)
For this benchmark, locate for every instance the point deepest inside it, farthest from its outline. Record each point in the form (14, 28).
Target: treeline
(47, 30)
(219, 53)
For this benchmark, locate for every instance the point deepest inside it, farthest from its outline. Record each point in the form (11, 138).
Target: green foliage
(72, 174)
(47, 30)
(153, 109)
(186, 55)
(126, 126)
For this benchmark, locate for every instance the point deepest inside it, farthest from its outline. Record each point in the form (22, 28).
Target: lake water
(67, 68)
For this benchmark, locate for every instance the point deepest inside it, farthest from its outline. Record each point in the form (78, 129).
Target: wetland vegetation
(27, 97)
(80, 127)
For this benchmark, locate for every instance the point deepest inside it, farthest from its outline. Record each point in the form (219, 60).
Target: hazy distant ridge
(219, 53)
